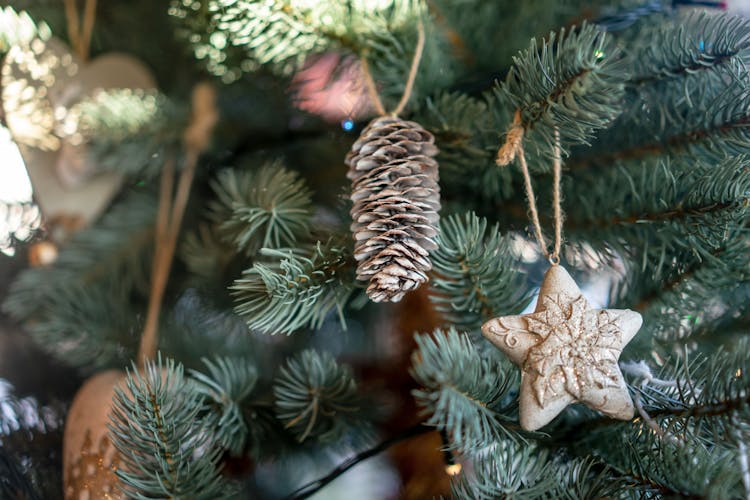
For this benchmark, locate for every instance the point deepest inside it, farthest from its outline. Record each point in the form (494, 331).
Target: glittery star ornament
(567, 351)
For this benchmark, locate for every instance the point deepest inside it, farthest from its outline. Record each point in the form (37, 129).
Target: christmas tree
(288, 238)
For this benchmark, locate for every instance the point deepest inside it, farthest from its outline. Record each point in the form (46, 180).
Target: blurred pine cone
(396, 201)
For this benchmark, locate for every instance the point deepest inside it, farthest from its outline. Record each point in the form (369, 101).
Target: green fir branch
(228, 383)
(710, 394)
(90, 327)
(266, 208)
(706, 117)
(657, 465)
(466, 133)
(115, 249)
(660, 206)
(388, 39)
(205, 254)
(507, 470)
(295, 291)
(125, 130)
(685, 294)
(279, 33)
(696, 43)
(512, 471)
(464, 393)
(316, 398)
(573, 82)
(157, 427)
(476, 277)
(587, 478)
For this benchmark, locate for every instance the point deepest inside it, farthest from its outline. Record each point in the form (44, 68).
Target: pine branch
(660, 207)
(723, 129)
(317, 398)
(295, 291)
(699, 42)
(475, 277)
(277, 33)
(83, 308)
(205, 254)
(466, 133)
(710, 395)
(228, 383)
(507, 471)
(688, 94)
(659, 465)
(117, 248)
(157, 429)
(125, 130)
(240, 36)
(487, 34)
(683, 293)
(464, 393)
(267, 208)
(573, 83)
(93, 326)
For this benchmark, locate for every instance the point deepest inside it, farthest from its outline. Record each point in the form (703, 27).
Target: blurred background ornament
(330, 86)
(89, 458)
(41, 82)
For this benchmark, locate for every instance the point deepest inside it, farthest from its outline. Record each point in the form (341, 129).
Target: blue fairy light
(347, 125)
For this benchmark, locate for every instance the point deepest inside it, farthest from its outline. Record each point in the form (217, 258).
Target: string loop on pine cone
(408, 88)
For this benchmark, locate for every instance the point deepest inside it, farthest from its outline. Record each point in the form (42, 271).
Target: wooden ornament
(90, 460)
(567, 351)
(40, 82)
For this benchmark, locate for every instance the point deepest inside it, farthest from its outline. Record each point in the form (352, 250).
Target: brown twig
(169, 218)
(171, 211)
(80, 34)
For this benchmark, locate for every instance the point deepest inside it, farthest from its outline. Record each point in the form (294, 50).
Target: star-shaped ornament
(567, 352)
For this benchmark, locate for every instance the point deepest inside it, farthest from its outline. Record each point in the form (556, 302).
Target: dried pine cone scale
(396, 199)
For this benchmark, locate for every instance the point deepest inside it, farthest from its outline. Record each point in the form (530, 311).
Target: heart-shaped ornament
(41, 81)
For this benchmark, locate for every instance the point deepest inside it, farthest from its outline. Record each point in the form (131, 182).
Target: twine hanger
(507, 153)
(80, 32)
(372, 90)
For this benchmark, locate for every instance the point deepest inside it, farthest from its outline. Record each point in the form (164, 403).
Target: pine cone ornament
(396, 200)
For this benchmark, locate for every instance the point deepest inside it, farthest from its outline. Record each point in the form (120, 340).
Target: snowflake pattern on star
(579, 348)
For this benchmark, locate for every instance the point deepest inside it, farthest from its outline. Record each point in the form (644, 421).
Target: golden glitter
(93, 475)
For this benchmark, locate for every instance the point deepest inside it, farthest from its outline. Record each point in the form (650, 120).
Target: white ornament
(567, 351)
